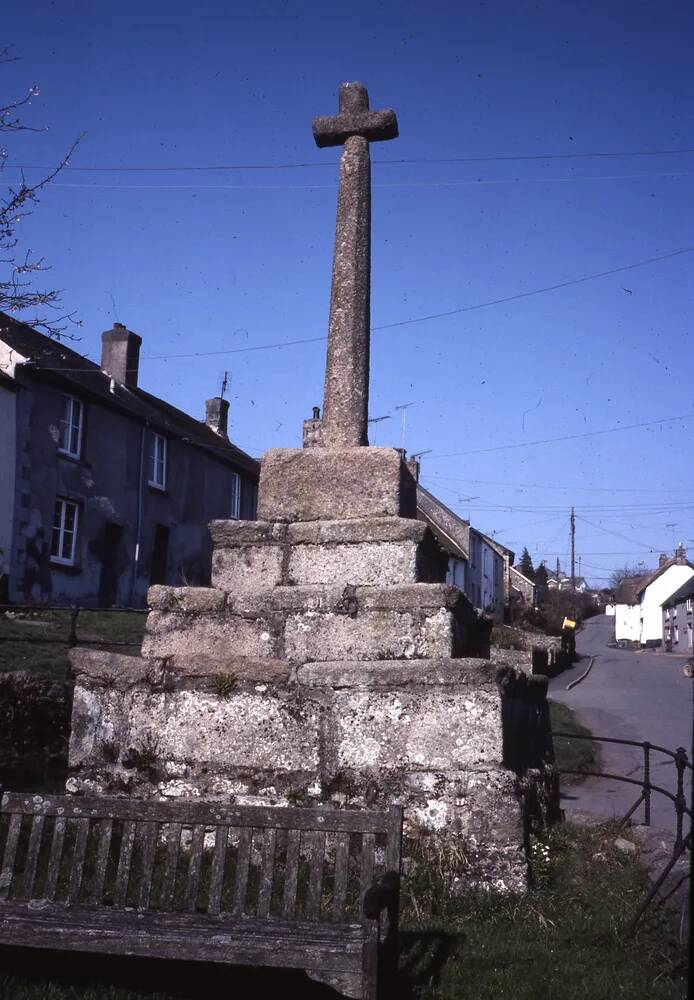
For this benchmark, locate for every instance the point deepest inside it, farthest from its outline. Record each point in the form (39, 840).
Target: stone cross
(346, 399)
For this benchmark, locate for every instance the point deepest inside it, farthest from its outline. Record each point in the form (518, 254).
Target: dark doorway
(110, 564)
(160, 554)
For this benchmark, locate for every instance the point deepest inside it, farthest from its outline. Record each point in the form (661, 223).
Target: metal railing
(682, 765)
(72, 638)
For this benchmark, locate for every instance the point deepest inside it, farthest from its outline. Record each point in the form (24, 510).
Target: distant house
(560, 580)
(522, 588)
(104, 487)
(639, 600)
(678, 619)
(476, 563)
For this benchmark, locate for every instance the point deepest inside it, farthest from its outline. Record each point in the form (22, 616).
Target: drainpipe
(140, 504)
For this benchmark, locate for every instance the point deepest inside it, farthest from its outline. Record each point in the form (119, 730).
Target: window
(71, 423)
(235, 496)
(157, 461)
(64, 536)
(689, 604)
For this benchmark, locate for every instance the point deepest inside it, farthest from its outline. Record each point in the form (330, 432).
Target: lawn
(38, 640)
(566, 939)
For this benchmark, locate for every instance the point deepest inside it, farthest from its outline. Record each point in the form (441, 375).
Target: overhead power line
(476, 182)
(565, 437)
(394, 162)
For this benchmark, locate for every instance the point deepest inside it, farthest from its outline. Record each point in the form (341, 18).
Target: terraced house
(104, 487)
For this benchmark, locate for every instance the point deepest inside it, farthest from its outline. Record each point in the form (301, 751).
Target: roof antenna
(113, 304)
(225, 385)
(377, 420)
(403, 408)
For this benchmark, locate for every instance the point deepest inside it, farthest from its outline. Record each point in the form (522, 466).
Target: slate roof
(424, 513)
(681, 594)
(54, 360)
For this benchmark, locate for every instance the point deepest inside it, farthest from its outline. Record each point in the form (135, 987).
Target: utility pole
(573, 549)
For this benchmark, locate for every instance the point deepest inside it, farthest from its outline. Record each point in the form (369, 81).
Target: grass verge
(565, 939)
(572, 754)
(38, 640)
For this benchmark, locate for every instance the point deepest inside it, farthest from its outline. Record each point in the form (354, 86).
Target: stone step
(303, 624)
(255, 555)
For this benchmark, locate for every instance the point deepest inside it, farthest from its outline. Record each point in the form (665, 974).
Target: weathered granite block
(424, 729)
(247, 568)
(372, 635)
(325, 484)
(400, 674)
(368, 563)
(170, 633)
(193, 600)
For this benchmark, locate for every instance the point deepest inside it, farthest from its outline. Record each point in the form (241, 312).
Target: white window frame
(235, 497)
(689, 604)
(158, 461)
(68, 424)
(60, 559)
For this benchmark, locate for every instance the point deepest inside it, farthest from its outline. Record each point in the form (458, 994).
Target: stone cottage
(105, 488)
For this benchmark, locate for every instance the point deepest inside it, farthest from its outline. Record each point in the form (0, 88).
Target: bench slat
(123, 872)
(148, 833)
(368, 845)
(316, 844)
(191, 812)
(341, 876)
(9, 855)
(291, 875)
(217, 876)
(169, 881)
(243, 855)
(266, 873)
(32, 857)
(194, 867)
(73, 892)
(55, 858)
(394, 843)
(105, 831)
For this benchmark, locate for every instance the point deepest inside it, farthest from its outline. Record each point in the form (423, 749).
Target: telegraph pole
(573, 549)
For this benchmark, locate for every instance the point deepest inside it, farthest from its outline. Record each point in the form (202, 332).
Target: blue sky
(200, 261)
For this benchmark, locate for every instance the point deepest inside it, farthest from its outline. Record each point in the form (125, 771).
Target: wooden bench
(312, 889)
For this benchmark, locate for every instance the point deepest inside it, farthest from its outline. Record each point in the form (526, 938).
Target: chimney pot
(316, 412)
(217, 415)
(662, 559)
(120, 354)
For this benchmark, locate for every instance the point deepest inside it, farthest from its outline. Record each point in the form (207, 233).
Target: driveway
(630, 695)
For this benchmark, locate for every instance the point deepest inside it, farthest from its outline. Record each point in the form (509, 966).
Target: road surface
(631, 695)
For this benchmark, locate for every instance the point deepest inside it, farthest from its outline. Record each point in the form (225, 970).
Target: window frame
(61, 560)
(235, 514)
(155, 463)
(67, 450)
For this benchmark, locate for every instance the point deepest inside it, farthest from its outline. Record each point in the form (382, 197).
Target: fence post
(72, 638)
(647, 782)
(540, 660)
(680, 801)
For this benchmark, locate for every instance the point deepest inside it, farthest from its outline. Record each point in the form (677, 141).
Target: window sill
(70, 568)
(158, 489)
(75, 459)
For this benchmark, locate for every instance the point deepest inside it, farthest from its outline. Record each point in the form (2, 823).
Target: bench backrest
(312, 864)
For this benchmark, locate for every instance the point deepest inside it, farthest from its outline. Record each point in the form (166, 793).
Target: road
(631, 695)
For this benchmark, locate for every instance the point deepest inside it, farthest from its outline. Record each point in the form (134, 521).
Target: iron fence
(682, 764)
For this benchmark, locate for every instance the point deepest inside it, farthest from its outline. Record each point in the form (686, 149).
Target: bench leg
(369, 960)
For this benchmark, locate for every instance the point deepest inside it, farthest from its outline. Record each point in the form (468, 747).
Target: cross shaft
(346, 399)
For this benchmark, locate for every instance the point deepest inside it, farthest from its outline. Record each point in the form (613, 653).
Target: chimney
(217, 415)
(120, 354)
(413, 466)
(312, 430)
(681, 554)
(662, 559)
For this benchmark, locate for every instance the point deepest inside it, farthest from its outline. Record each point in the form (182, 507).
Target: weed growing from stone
(223, 684)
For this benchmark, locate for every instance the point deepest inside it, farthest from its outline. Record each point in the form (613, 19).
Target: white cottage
(639, 600)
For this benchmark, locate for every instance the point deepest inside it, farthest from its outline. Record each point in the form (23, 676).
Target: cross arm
(375, 126)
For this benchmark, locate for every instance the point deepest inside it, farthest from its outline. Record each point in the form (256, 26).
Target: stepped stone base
(329, 662)
(425, 733)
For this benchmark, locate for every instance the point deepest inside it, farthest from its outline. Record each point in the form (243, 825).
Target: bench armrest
(382, 894)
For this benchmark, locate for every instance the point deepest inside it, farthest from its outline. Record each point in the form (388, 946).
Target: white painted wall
(627, 622)
(456, 574)
(8, 452)
(610, 610)
(654, 595)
